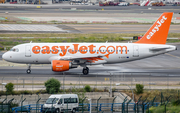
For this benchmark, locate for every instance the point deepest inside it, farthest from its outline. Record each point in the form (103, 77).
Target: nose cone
(4, 56)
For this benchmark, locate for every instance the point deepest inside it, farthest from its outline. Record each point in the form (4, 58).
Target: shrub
(176, 103)
(27, 92)
(52, 85)
(87, 88)
(52, 91)
(139, 88)
(9, 88)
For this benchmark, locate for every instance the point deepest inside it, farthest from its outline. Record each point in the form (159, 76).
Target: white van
(61, 102)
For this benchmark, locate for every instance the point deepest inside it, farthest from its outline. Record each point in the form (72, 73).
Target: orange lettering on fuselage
(64, 50)
(121, 49)
(91, 48)
(82, 49)
(75, 49)
(54, 50)
(45, 50)
(101, 50)
(36, 49)
(110, 51)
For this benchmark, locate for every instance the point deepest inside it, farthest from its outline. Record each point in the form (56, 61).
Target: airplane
(65, 56)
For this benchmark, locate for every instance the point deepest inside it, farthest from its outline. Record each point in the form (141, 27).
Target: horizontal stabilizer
(158, 48)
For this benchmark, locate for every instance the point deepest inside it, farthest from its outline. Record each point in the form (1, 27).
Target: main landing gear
(28, 71)
(85, 70)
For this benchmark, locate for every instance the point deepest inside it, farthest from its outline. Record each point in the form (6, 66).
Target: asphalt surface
(83, 8)
(116, 28)
(81, 28)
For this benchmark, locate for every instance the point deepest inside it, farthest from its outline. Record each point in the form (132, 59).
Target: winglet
(158, 32)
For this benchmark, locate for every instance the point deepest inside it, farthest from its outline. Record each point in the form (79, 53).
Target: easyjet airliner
(64, 56)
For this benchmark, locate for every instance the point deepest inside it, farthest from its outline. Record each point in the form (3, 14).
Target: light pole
(129, 88)
(6, 90)
(90, 105)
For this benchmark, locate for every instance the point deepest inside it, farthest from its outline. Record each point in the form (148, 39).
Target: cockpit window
(14, 49)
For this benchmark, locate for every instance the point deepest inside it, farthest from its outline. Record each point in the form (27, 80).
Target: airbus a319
(64, 56)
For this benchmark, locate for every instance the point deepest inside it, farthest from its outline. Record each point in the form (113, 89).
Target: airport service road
(13, 8)
(159, 69)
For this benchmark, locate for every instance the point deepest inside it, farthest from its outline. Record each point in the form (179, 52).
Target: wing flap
(91, 59)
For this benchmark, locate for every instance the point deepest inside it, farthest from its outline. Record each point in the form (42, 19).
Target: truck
(2, 1)
(61, 102)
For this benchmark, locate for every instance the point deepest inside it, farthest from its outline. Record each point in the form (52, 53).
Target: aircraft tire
(28, 71)
(85, 71)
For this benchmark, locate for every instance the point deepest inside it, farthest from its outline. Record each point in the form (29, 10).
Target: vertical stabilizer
(158, 32)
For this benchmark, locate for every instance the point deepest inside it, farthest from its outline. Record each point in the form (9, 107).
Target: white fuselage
(44, 53)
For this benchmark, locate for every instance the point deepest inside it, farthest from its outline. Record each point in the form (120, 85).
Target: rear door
(135, 51)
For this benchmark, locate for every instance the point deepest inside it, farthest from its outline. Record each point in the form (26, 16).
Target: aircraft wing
(97, 59)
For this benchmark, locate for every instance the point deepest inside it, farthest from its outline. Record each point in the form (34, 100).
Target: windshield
(14, 49)
(49, 101)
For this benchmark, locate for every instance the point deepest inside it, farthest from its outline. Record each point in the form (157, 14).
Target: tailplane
(158, 32)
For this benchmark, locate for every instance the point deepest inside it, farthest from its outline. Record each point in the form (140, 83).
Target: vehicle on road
(123, 4)
(61, 102)
(65, 56)
(2, 1)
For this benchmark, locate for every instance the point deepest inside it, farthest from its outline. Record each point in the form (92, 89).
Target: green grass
(71, 35)
(150, 94)
(161, 109)
(16, 39)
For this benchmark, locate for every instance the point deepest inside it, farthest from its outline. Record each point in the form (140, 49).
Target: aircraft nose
(4, 56)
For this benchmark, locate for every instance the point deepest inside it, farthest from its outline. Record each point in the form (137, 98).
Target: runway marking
(92, 28)
(113, 31)
(172, 55)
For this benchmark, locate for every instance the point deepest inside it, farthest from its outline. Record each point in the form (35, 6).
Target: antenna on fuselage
(31, 41)
(107, 41)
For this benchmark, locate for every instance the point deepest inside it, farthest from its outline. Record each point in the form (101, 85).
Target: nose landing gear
(28, 71)
(85, 70)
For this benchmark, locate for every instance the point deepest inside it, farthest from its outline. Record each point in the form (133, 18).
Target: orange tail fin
(158, 32)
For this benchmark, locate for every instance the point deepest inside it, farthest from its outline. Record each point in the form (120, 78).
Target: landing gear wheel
(85, 71)
(28, 71)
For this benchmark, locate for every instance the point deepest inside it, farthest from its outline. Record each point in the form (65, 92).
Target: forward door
(28, 51)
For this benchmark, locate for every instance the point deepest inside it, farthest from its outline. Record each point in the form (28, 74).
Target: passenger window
(67, 100)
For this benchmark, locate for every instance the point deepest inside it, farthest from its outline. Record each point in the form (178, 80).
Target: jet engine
(62, 65)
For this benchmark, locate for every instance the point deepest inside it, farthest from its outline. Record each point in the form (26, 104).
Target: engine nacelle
(61, 65)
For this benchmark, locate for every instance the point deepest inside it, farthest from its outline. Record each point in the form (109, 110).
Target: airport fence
(139, 106)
